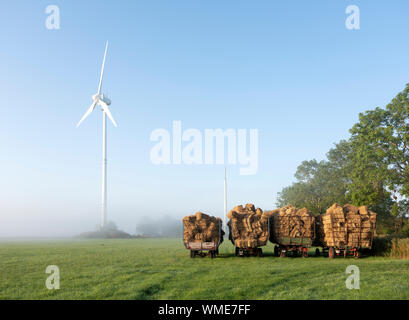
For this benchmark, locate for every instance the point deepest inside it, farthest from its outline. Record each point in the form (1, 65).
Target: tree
(381, 144)
(319, 184)
(301, 195)
(368, 169)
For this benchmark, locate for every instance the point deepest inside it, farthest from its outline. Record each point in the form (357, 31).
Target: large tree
(319, 184)
(380, 158)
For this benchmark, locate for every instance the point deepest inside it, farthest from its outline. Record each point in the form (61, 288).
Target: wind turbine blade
(106, 110)
(88, 112)
(102, 70)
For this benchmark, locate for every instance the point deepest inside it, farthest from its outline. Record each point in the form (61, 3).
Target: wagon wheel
(297, 253)
(317, 252)
(192, 254)
(331, 253)
(276, 251)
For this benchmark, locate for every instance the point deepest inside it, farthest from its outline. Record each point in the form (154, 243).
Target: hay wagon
(347, 232)
(246, 248)
(202, 249)
(286, 240)
(293, 230)
(249, 229)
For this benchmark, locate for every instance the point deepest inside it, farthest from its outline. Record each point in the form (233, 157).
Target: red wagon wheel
(331, 253)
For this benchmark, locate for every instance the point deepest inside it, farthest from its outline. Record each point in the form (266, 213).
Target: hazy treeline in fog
(165, 226)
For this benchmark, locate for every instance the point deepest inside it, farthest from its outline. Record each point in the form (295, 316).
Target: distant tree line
(370, 168)
(165, 226)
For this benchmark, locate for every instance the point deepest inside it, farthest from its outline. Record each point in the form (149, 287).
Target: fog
(165, 226)
(58, 224)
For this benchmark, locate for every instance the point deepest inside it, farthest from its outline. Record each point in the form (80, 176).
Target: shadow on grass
(148, 292)
(289, 256)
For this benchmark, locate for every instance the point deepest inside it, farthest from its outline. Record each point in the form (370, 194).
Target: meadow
(162, 269)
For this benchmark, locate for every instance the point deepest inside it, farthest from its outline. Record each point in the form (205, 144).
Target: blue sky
(290, 69)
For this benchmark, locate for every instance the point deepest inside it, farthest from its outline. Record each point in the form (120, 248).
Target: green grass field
(162, 269)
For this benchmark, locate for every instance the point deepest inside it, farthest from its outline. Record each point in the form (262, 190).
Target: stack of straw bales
(249, 227)
(347, 226)
(292, 222)
(201, 227)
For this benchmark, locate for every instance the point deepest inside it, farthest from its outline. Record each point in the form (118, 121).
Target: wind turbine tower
(225, 200)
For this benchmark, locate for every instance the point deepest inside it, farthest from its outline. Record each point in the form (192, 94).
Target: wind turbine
(102, 101)
(225, 200)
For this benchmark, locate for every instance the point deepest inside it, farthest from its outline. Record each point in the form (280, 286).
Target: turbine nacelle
(101, 97)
